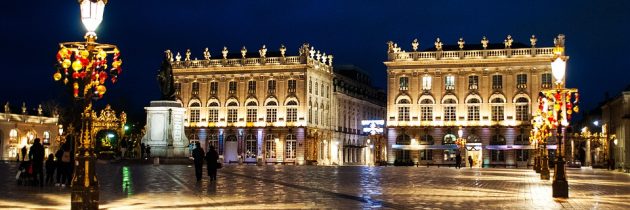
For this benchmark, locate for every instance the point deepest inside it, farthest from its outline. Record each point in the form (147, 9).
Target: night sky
(354, 31)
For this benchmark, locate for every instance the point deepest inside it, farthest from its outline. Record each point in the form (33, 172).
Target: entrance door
(231, 149)
(477, 158)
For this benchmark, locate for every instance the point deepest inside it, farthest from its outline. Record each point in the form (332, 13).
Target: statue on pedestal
(165, 79)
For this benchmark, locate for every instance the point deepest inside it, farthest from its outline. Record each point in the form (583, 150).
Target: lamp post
(84, 68)
(564, 104)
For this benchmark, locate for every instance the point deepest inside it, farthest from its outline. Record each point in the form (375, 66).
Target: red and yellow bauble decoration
(87, 70)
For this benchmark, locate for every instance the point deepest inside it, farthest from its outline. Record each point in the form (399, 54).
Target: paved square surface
(291, 187)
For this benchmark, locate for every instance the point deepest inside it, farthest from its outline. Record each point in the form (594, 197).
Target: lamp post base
(544, 168)
(85, 189)
(537, 164)
(560, 185)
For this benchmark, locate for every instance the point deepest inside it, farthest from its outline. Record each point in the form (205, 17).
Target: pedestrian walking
(470, 161)
(148, 150)
(51, 165)
(458, 160)
(198, 156)
(211, 160)
(36, 155)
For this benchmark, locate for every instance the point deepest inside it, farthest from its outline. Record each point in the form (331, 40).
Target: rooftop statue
(438, 44)
(7, 109)
(484, 42)
(206, 54)
(461, 43)
(283, 50)
(165, 78)
(415, 44)
(533, 40)
(224, 52)
(263, 51)
(187, 55)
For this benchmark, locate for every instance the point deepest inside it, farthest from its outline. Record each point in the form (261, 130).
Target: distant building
(616, 124)
(487, 91)
(355, 99)
(19, 128)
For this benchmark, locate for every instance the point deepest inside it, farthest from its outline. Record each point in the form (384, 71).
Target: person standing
(123, 148)
(458, 160)
(198, 156)
(211, 159)
(36, 155)
(470, 161)
(50, 168)
(23, 154)
(60, 169)
(148, 150)
(66, 166)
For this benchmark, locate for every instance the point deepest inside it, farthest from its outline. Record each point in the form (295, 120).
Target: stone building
(19, 129)
(355, 99)
(483, 91)
(260, 106)
(616, 128)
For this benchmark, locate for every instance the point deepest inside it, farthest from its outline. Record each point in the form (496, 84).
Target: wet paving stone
(136, 186)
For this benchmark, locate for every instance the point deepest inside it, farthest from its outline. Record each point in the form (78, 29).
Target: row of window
(251, 145)
(319, 89)
(473, 82)
(450, 138)
(30, 137)
(251, 115)
(449, 155)
(473, 107)
(233, 87)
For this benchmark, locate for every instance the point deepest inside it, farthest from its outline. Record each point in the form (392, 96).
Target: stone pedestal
(165, 129)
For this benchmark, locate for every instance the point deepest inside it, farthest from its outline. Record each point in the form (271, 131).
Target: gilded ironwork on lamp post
(83, 66)
(564, 102)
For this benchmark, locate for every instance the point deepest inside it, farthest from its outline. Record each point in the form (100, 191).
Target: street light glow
(92, 14)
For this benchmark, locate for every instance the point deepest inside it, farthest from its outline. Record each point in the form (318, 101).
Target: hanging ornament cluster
(87, 70)
(559, 105)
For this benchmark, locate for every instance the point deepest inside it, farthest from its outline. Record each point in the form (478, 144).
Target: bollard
(156, 161)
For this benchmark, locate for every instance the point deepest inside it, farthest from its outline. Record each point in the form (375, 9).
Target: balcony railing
(472, 54)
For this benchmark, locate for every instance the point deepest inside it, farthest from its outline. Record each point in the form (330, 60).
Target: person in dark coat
(23, 154)
(198, 157)
(211, 159)
(60, 169)
(50, 168)
(470, 161)
(458, 160)
(36, 155)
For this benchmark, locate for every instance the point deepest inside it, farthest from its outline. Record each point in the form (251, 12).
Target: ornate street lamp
(564, 104)
(84, 67)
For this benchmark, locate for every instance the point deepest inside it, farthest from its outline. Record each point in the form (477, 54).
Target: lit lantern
(558, 68)
(76, 65)
(57, 76)
(101, 90)
(92, 14)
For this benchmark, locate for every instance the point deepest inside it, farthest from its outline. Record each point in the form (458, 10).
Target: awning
(421, 147)
(509, 147)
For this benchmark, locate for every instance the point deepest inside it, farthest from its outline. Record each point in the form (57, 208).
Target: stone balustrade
(471, 54)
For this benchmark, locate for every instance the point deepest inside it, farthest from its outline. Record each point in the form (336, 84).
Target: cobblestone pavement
(292, 187)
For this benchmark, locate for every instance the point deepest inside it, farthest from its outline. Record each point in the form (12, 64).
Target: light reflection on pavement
(291, 187)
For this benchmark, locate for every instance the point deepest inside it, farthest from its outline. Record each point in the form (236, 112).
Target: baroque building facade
(484, 93)
(20, 129)
(616, 130)
(259, 107)
(355, 99)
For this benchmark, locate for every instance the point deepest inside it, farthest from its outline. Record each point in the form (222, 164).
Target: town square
(314, 105)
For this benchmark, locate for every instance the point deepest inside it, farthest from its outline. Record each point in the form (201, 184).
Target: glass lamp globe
(558, 68)
(92, 14)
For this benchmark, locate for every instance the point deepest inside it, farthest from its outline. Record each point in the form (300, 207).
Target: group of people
(145, 151)
(58, 166)
(211, 159)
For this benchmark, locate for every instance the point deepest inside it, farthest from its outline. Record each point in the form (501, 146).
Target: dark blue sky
(354, 31)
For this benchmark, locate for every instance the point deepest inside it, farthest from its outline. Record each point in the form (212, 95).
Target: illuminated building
(616, 128)
(485, 90)
(20, 129)
(355, 100)
(262, 106)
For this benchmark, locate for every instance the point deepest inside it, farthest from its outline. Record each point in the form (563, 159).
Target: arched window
(426, 109)
(522, 109)
(251, 146)
(290, 146)
(403, 108)
(233, 103)
(270, 146)
(497, 139)
(46, 140)
(403, 139)
(497, 102)
(213, 112)
(449, 139)
(473, 109)
(213, 140)
(291, 110)
(194, 111)
(292, 103)
(450, 108)
(426, 139)
(232, 116)
(472, 138)
(252, 103)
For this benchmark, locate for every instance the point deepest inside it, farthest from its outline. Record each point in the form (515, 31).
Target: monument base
(165, 129)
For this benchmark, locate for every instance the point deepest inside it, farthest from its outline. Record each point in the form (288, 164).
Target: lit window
(213, 141)
(449, 82)
(426, 110)
(292, 84)
(232, 115)
(497, 155)
(497, 82)
(270, 146)
(194, 112)
(271, 86)
(178, 88)
(251, 144)
(13, 135)
(290, 146)
(450, 110)
(403, 113)
(272, 114)
(252, 114)
(214, 87)
(546, 80)
(522, 109)
(498, 109)
(251, 87)
(232, 87)
(213, 112)
(195, 89)
(521, 80)
(46, 137)
(404, 83)
(426, 83)
(473, 109)
(473, 82)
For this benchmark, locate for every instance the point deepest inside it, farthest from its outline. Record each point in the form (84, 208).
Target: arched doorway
(106, 143)
(231, 149)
